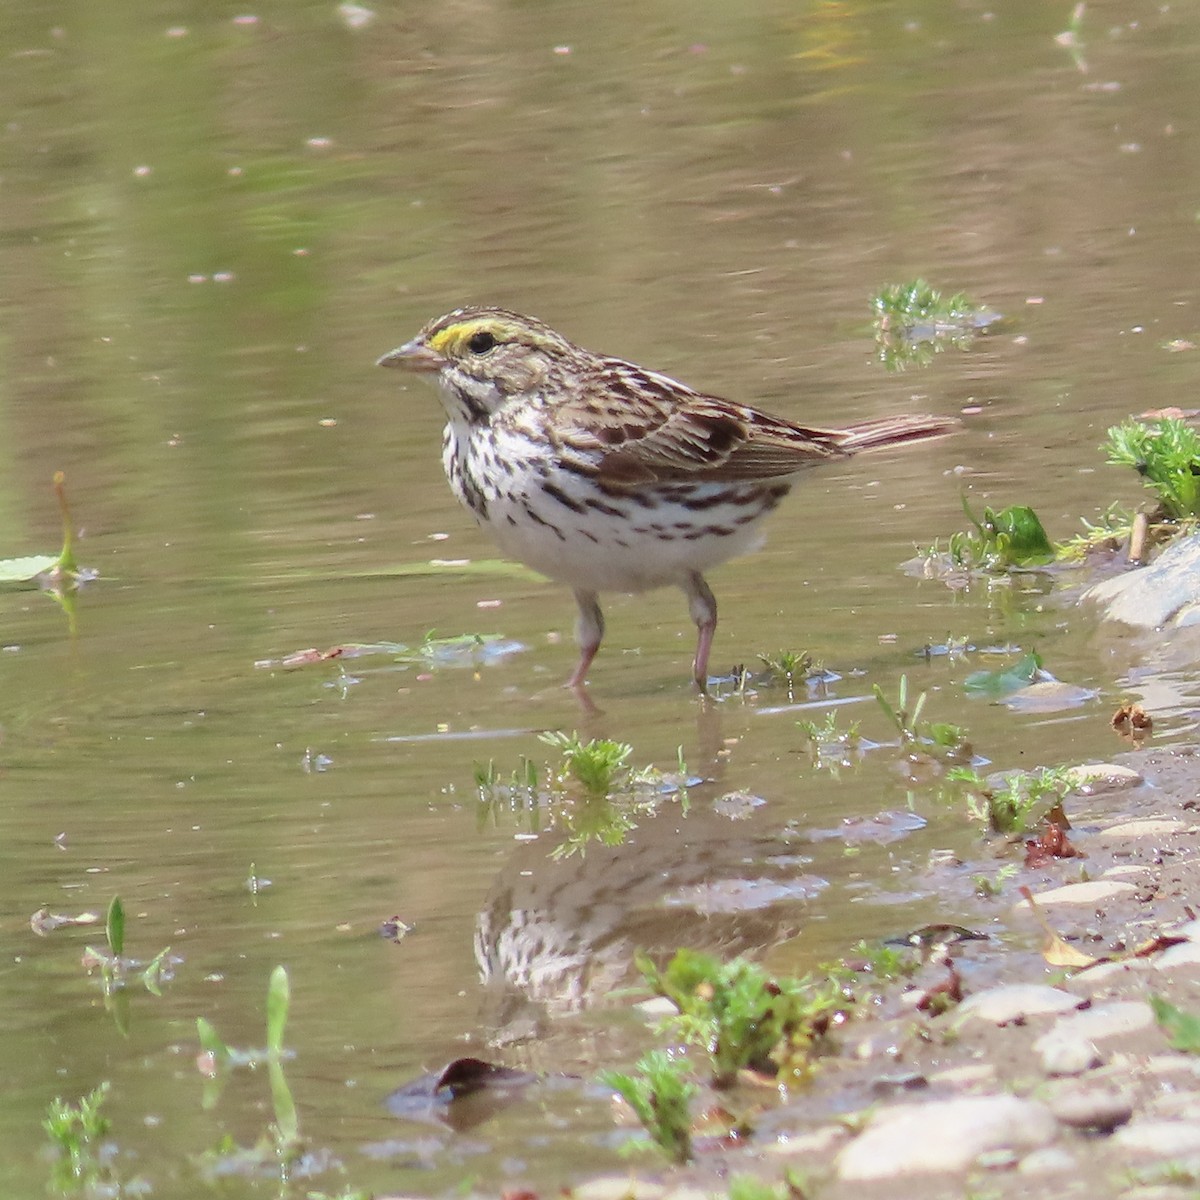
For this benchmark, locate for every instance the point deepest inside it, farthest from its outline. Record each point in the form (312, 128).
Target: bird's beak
(413, 356)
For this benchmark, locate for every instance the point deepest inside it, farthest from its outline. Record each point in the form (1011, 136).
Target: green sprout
(282, 1144)
(592, 794)
(660, 1094)
(749, 1187)
(908, 723)
(1012, 537)
(599, 765)
(790, 666)
(1166, 454)
(77, 1131)
(1007, 807)
(745, 1017)
(914, 322)
(886, 961)
(989, 887)
(1111, 530)
(115, 967)
(829, 742)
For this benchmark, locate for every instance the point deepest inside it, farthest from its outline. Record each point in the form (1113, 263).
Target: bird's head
(483, 357)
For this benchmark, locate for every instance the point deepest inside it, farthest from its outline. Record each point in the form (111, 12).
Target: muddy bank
(1046, 1079)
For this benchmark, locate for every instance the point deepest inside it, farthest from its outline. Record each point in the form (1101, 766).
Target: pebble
(1061, 1054)
(967, 1074)
(1017, 1001)
(1164, 1139)
(1096, 1109)
(1167, 590)
(944, 1135)
(1127, 869)
(1095, 891)
(618, 1187)
(821, 1142)
(1051, 695)
(1106, 971)
(1184, 954)
(1171, 1064)
(1050, 1160)
(1156, 827)
(1104, 777)
(1101, 1021)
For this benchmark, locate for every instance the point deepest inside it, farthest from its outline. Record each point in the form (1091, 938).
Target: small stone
(818, 1143)
(1052, 1160)
(968, 1073)
(1184, 954)
(1017, 1001)
(1162, 1139)
(1106, 971)
(1051, 695)
(1157, 827)
(1101, 1021)
(1091, 1108)
(1095, 891)
(1127, 869)
(944, 1135)
(1103, 777)
(1067, 1055)
(1171, 1064)
(618, 1187)
(1166, 591)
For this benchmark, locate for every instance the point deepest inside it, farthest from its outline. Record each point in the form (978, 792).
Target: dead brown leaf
(1053, 843)
(1054, 950)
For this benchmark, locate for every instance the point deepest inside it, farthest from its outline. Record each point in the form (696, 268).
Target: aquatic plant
(1007, 806)
(1166, 454)
(744, 1017)
(281, 1145)
(660, 1094)
(914, 322)
(908, 723)
(76, 1130)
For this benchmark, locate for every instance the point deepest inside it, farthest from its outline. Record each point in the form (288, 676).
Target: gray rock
(1052, 1160)
(1092, 892)
(1092, 1108)
(1184, 954)
(944, 1135)
(1065, 1055)
(1017, 1001)
(1162, 1139)
(1167, 591)
(1101, 1021)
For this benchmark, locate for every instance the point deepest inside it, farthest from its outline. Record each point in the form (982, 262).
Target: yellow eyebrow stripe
(451, 341)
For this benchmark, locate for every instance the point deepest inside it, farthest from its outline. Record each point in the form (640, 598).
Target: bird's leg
(702, 604)
(589, 632)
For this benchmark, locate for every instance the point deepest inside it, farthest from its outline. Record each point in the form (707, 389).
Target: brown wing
(648, 428)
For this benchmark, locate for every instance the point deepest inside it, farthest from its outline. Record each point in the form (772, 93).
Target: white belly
(561, 525)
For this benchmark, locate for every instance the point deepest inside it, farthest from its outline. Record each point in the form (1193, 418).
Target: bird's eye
(481, 342)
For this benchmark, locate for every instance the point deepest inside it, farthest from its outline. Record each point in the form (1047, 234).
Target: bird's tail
(894, 431)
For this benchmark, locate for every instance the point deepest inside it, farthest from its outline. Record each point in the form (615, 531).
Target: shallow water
(212, 227)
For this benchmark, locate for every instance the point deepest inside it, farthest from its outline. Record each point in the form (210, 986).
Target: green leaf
(1182, 1029)
(25, 570)
(278, 999)
(114, 927)
(66, 557)
(210, 1040)
(152, 975)
(1001, 683)
(490, 567)
(287, 1123)
(1019, 536)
